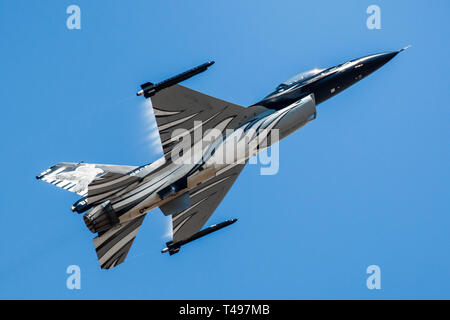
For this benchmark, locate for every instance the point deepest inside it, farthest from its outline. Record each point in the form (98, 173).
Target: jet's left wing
(204, 198)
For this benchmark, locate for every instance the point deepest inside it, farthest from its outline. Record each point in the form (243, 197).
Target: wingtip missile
(148, 89)
(174, 247)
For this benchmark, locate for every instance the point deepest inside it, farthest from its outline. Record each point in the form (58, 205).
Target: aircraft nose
(376, 61)
(352, 72)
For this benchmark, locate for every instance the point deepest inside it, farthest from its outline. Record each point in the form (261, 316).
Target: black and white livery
(197, 170)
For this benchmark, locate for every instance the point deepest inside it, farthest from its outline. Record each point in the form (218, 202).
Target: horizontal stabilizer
(76, 177)
(112, 247)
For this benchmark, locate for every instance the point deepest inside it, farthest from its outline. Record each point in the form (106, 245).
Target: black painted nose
(376, 61)
(350, 73)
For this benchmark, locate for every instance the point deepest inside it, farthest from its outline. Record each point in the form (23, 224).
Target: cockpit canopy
(300, 77)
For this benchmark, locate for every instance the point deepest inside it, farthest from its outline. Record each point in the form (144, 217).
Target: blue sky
(366, 183)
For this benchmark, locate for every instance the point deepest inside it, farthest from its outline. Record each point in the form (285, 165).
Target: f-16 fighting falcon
(192, 178)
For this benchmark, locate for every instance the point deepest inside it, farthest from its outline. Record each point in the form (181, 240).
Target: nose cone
(350, 73)
(376, 61)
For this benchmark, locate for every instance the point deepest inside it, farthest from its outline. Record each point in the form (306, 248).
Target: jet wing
(204, 198)
(179, 107)
(76, 177)
(112, 247)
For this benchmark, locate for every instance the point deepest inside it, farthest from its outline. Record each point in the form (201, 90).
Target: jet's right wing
(179, 107)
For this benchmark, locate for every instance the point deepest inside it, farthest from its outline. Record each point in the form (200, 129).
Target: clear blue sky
(366, 183)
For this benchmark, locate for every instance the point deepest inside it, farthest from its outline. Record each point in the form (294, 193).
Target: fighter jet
(206, 143)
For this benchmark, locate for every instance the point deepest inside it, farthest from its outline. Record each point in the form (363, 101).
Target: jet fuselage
(188, 183)
(320, 87)
(146, 194)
